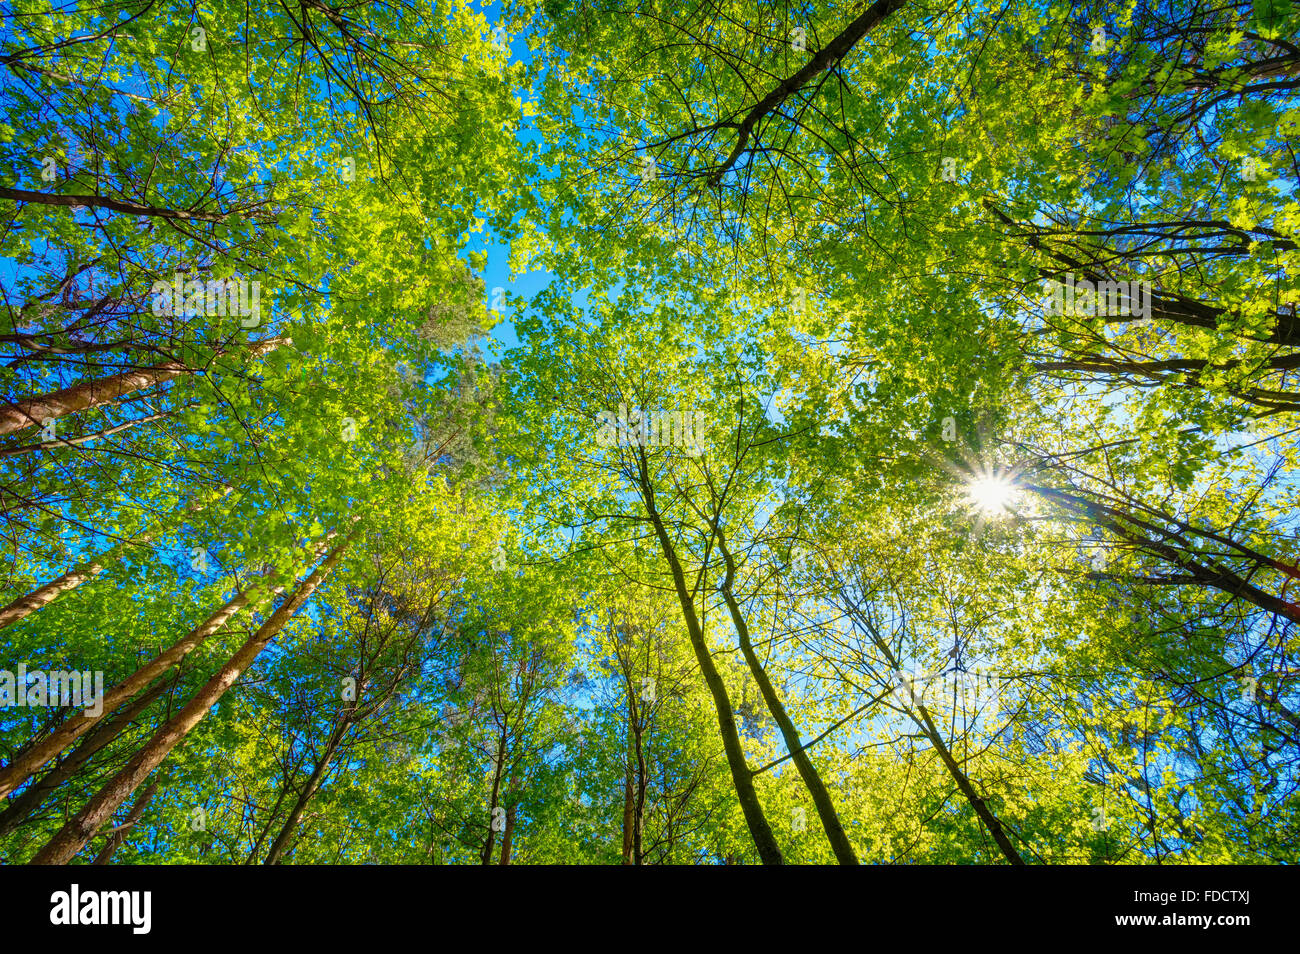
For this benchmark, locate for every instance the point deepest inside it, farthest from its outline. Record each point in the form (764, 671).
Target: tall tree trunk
(275, 810)
(507, 836)
(821, 797)
(742, 777)
(89, 394)
(486, 854)
(927, 725)
(137, 809)
(634, 785)
(309, 790)
(30, 760)
(36, 411)
(72, 837)
(105, 732)
(629, 809)
(963, 782)
(47, 593)
(638, 808)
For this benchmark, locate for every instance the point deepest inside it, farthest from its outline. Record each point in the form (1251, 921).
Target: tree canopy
(648, 432)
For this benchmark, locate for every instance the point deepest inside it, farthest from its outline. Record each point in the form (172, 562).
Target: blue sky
(497, 273)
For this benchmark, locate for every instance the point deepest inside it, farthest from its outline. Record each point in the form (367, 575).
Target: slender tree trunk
(821, 797)
(81, 827)
(633, 776)
(507, 836)
(89, 394)
(629, 811)
(486, 854)
(29, 761)
(47, 593)
(105, 732)
(922, 718)
(741, 776)
(309, 790)
(963, 782)
(638, 809)
(275, 809)
(137, 809)
(36, 411)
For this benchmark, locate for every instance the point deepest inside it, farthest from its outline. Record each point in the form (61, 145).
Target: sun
(991, 495)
